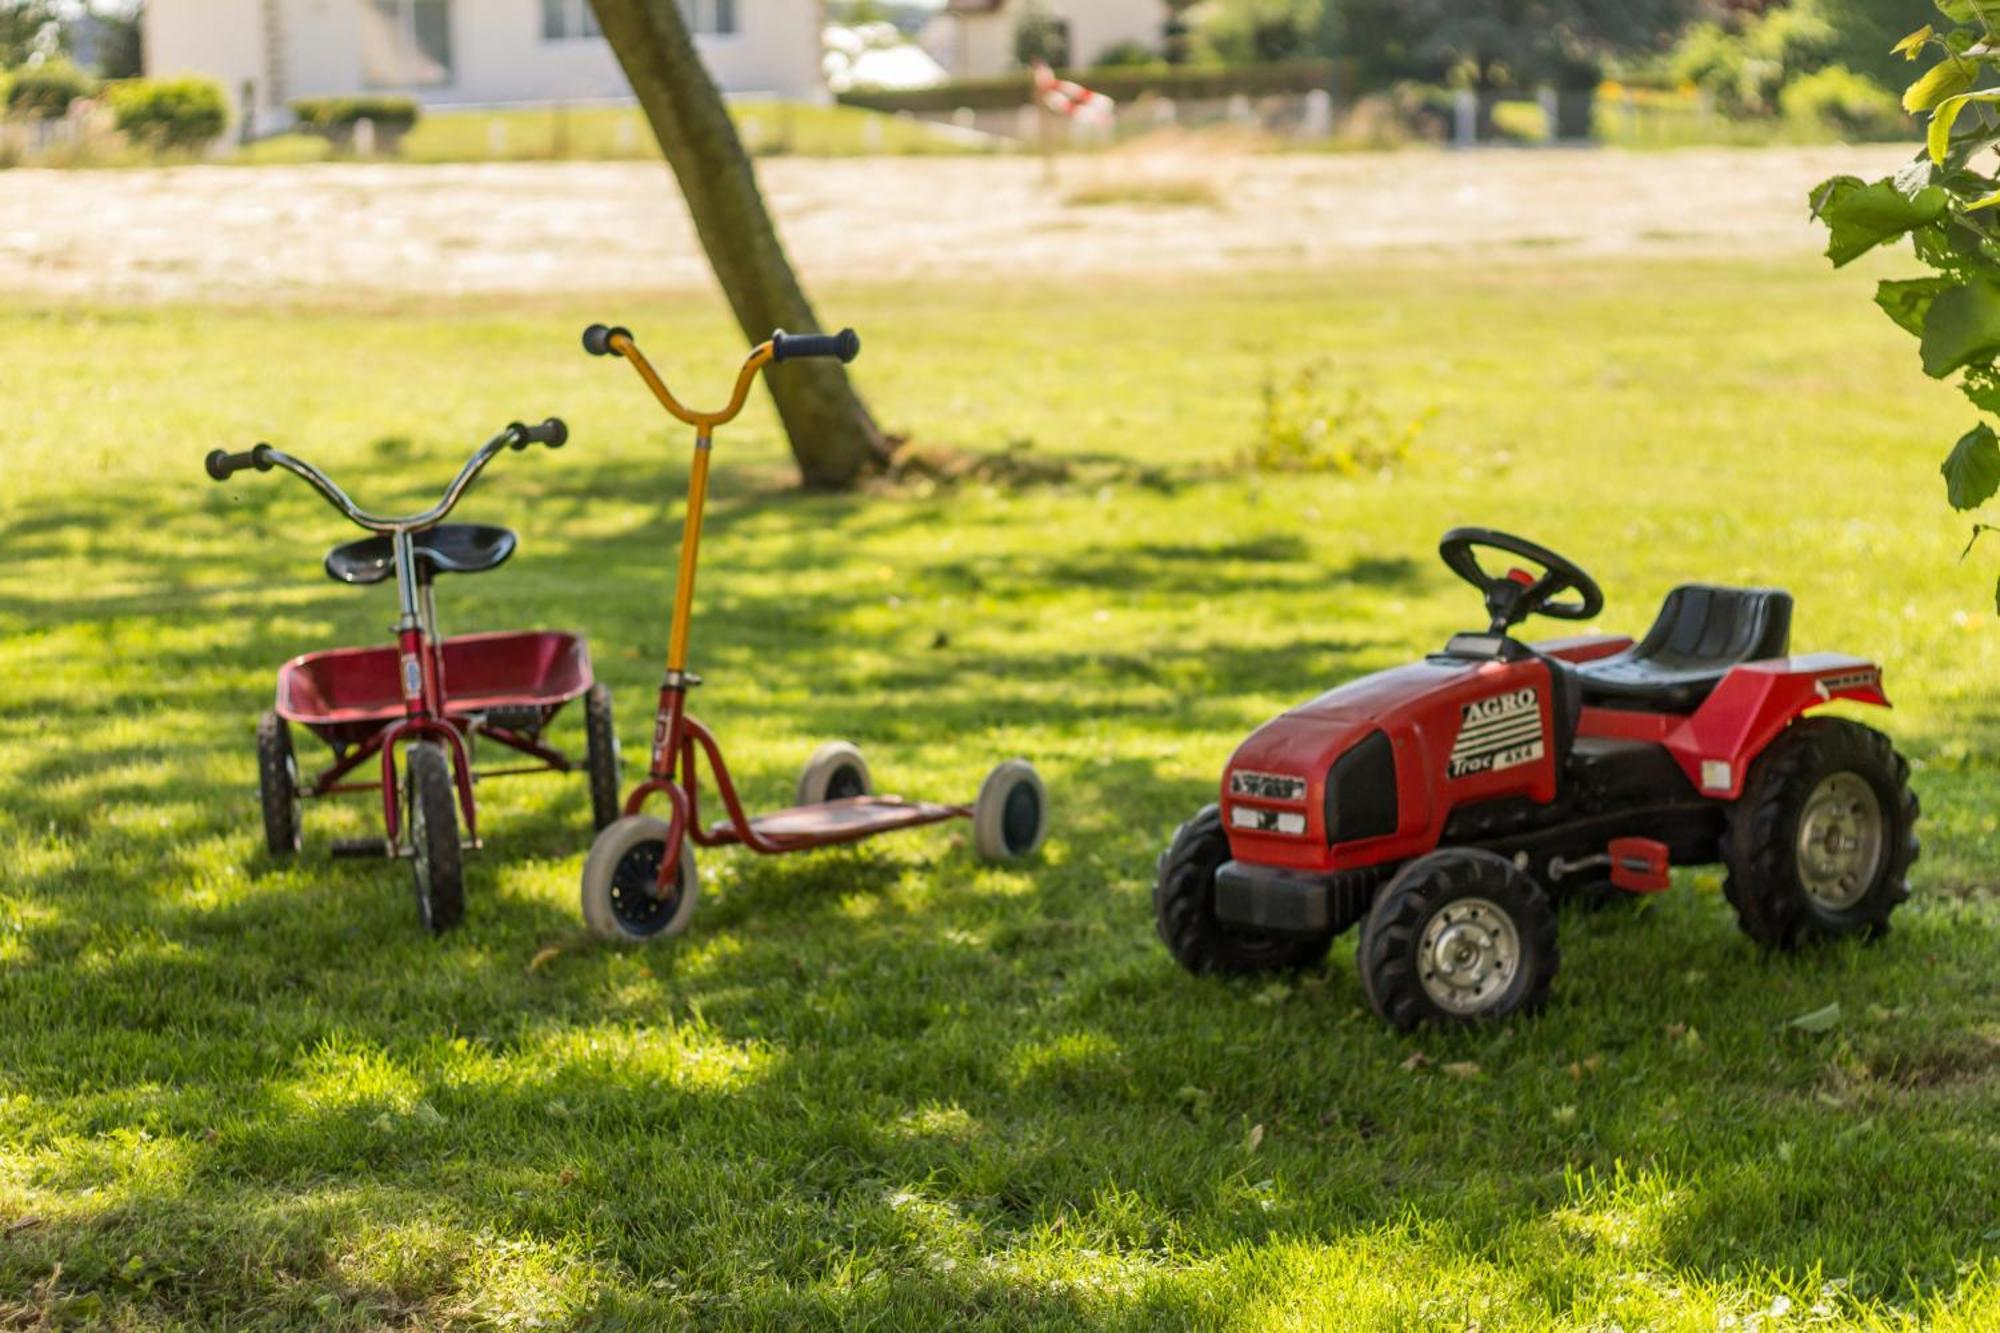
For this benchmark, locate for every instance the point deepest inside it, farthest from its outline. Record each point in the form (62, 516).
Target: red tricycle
(434, 696)
(639, 881)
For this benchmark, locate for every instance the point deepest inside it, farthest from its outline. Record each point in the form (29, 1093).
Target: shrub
(1743, 69)
(1851, 105)
(1194, 83)
(182, 113)
(45, 91)
(1041, 36)
(336, 117)
(1126, 55)
(1311, 426)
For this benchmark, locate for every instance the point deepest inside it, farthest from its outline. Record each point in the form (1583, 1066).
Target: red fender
(1717, 743)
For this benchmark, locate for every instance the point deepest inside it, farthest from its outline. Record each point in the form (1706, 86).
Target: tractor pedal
(1639, 865)
(362, 848)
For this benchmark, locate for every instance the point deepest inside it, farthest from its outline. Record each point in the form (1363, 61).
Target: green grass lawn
(890, 1086)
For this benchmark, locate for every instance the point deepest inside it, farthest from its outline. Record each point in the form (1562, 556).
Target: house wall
(977, 46)
(218, 39)
(313, 48)
(1095, 26)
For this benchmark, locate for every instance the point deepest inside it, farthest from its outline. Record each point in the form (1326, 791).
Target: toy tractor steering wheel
(1514, 596)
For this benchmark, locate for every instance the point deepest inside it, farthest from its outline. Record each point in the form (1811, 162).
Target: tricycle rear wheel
(601, 756)
(431, 825)
(278, 785)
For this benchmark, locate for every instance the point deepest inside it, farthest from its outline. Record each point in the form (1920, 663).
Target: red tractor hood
(1369, 771)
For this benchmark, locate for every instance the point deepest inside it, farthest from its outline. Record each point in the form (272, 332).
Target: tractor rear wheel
(1184, 910)
(1458, 936)
(1820, 843)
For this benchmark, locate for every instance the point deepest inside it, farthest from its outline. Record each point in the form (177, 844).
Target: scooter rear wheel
(1010, 819)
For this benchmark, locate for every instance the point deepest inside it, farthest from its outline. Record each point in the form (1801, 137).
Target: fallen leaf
(1676, 1030)
(566, 1176)
(1416, 1061)
(1461, 1069)
(1819, 1020)
(1256, 1139)
(543, 957)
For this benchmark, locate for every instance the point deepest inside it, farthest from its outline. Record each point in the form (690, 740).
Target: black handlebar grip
(843, 346)
(597, 339)
(551, 432)
(222, 465)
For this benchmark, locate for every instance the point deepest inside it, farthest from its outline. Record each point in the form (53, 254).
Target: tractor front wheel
(1184, 910)
(1458, 936)
(1821, 840)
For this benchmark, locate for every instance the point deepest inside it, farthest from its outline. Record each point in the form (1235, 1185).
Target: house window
(564, 19)
(406, 43)
(715, 18)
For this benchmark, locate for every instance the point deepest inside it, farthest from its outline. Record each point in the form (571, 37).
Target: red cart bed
(346, 695)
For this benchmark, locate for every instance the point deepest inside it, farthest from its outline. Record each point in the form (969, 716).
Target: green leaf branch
(1946, 201)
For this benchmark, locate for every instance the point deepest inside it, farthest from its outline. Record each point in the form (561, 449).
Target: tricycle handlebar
(221, 466)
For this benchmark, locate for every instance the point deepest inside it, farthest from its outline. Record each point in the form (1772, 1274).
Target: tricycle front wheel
(431, 824)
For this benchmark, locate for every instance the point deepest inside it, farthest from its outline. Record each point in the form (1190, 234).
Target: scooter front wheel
(621, 897)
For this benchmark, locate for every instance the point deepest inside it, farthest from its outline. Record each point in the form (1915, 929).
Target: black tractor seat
(1700, 634)
(448, 548)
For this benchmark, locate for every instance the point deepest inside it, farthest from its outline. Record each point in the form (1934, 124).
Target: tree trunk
(832, 434)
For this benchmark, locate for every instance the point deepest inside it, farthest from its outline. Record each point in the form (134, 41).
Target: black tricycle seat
(448, 548)
(1701, 632)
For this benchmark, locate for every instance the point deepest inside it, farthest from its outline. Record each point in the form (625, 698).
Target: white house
(974, 39)
(461, 52)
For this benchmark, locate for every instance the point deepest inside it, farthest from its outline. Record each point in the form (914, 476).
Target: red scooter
(431, 695)
(639, 881)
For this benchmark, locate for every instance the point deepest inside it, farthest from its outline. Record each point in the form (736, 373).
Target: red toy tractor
(1448, 804)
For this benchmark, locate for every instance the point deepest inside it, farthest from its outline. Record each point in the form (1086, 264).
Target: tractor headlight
(1267, 786)
(1253, 820)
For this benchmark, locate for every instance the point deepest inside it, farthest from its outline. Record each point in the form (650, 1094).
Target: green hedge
(170, 113)
(336, 117)
(44, 92)
(1183, 83)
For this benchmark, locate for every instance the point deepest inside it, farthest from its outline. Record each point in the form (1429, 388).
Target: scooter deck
(841, 821)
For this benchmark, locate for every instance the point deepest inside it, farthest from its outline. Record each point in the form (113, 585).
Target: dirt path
(325, 231)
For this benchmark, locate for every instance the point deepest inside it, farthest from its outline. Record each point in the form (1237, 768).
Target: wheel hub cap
(1468, 955)
(1840, 841)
